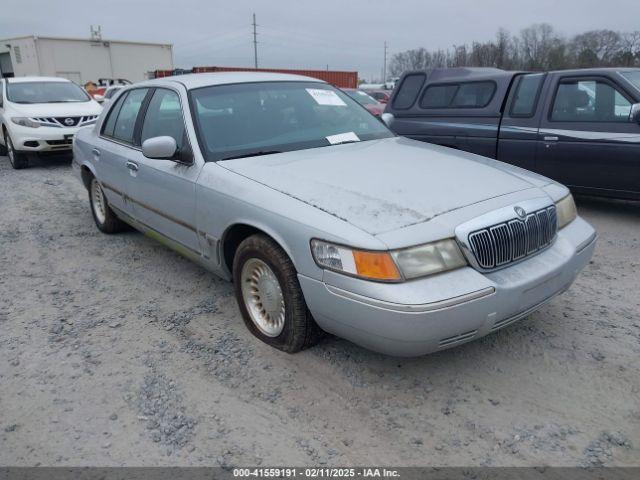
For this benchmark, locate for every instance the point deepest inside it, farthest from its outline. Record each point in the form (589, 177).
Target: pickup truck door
(162, 191)
(519, 126)
(586, 139)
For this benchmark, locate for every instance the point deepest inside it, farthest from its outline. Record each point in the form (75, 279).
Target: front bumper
(43, 139)
(421, 316)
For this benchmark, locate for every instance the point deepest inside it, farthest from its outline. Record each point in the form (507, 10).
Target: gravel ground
(116, 351)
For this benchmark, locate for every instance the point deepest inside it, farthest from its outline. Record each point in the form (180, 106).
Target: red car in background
(371, 104)
(382, 96)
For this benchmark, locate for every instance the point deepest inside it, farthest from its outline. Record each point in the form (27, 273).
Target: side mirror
(159, 147)
(387, 118)
(634, 115)
(98, 98)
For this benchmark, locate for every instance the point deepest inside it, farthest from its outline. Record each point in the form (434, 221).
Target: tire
(3, 148)
(106, 220)
(257, 263)
(17, 160)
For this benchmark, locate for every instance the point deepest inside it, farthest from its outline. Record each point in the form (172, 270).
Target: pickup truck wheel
(18, 160)
(106, 220)
(269, 296)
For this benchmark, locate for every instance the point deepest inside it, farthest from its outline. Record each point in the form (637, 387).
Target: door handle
(95, 151)
(132, 166)
(551, 139)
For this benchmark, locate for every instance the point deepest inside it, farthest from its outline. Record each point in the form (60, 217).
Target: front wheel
(269, 296)
(18, 160)
(106, 220)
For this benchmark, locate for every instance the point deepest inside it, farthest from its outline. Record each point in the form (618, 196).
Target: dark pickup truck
(580, 127)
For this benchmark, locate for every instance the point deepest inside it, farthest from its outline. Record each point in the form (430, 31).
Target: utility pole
(255, 42)
(384, 68)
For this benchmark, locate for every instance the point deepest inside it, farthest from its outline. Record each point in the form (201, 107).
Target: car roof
(197, 80)
(36, 79)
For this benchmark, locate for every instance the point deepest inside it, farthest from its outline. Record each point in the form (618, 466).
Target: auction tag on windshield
(342, 138)
(326, 97)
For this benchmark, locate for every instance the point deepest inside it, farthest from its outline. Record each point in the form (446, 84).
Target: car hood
(56, 109)
(383, 185)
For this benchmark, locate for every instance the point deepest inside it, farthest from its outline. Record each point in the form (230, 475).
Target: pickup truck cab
(579, 127)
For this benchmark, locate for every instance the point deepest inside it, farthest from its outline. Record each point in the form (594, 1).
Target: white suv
(41, 114)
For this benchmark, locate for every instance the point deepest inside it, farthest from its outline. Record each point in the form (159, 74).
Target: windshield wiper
(252, 154)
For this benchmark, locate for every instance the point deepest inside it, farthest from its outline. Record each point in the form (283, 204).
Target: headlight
(429, 259)
(391, 266)
(360, 263)
(566, 211)
(25, 122)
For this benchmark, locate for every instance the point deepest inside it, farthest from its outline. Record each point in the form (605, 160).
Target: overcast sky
(344, 34)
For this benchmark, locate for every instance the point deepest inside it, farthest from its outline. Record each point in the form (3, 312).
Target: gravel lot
(116, 351)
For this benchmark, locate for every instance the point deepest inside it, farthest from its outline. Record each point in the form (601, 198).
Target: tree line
(538, 47)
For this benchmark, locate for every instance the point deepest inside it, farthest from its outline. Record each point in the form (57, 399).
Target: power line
(384, 68)
(255, 42)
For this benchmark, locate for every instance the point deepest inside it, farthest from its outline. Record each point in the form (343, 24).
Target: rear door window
(113, 116)
(526, 95)
(128, 114)
(408, 91)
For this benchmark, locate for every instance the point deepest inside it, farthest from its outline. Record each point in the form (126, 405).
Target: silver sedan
(324, 219)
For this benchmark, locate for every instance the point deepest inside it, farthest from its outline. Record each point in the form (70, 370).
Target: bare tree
(538, 47)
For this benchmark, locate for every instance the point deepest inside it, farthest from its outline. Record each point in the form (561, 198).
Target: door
(519, 126)
(115, 147)
(586, 139)
(163, 191)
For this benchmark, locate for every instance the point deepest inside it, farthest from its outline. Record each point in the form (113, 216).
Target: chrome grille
(510, 241)
(59, 122)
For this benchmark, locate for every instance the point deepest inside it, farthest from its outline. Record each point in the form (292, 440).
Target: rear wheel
(18, 160)
(106, 220)
(269, 296)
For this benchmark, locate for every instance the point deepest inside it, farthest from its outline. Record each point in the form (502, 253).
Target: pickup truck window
(526, 93)
(458, 95)
(408, 91)
(633, 77)
(589, 100)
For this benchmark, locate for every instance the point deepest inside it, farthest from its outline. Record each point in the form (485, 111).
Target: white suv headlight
(393, 266)
(25, 122)
(566, 211)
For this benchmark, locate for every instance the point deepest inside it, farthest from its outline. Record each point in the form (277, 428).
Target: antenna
(96, 33)
(255, 42)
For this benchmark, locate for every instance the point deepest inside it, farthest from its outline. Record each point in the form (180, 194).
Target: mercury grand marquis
(324, 219)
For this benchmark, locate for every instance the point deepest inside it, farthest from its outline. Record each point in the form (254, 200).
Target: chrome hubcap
(98, 201)
(263, 297)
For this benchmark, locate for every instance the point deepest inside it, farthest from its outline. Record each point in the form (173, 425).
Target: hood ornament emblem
(68, 121)
(520, 212)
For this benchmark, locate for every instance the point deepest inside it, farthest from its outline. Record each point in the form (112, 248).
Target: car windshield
(633, 77)
(45, 92)
(361, 97)
(270, 117)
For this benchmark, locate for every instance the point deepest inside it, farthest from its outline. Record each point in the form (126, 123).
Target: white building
(82, 60)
